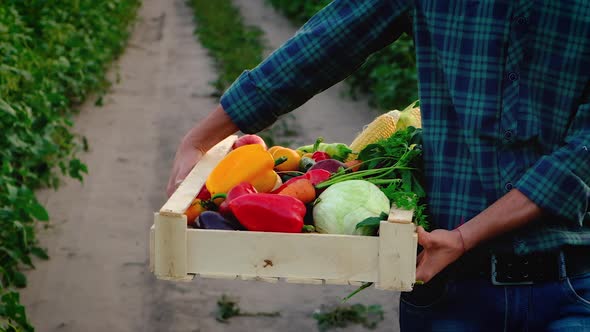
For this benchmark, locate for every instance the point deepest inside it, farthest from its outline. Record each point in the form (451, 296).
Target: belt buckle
(494, 276)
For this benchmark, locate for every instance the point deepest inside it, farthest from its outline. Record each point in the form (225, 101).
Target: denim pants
(478, 305)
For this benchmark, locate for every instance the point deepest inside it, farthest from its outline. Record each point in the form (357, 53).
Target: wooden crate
(179, 253)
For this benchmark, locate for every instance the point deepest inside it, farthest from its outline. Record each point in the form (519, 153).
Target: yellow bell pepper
(250, 163)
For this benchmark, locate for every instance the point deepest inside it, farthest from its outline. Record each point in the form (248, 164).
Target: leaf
(39, 212)
(417, 187)
(7, 108)
(369, 222)
(361, 287)
(39, 252)
(406, 180)
(10, 253)
(76, 168)
(19, 279)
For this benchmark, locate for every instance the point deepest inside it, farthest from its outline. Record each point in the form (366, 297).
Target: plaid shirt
(505, 99)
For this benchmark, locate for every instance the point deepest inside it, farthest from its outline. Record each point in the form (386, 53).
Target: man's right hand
(199, 139)
(187, 156)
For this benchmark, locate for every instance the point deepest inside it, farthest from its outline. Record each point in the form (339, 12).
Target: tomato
(292, 162)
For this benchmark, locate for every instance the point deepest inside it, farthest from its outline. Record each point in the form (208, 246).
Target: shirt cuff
(555, 188)
(247, 106)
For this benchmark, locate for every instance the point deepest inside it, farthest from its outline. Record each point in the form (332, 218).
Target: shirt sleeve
(328, 48)
(560, 182)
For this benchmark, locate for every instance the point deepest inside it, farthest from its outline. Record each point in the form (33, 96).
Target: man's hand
(187, 156)
(216, 126)
(441, 248)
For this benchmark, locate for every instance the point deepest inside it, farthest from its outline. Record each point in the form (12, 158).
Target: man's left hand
(441, 248)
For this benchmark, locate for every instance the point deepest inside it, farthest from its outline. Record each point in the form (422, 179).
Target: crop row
(53, 54)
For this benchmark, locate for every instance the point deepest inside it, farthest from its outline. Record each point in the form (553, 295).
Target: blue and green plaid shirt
(505, 99)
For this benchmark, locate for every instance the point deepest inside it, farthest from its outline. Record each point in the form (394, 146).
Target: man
(505, 100)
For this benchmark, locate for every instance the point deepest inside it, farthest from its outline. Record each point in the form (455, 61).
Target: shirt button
(508, 135)
(513, 76)
(508, 186)
(521, 20)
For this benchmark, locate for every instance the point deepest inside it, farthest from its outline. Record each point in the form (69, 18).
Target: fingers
(183, 164)
(173, 185)
(423, 272)
(424, 238)
(419, 258)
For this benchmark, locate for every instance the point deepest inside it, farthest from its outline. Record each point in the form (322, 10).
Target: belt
(510, 269)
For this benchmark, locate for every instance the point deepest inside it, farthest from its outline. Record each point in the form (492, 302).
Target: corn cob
(380, 128)
(409, 117)
(384, 126)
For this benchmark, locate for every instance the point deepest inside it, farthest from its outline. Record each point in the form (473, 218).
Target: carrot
(354, 165)
(302, 189)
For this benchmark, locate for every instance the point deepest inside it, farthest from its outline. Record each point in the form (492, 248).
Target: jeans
(478, 305)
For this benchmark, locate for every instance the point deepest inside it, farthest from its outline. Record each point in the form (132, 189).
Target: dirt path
(97, 278)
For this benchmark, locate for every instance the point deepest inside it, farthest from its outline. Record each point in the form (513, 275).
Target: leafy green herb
(342, 315)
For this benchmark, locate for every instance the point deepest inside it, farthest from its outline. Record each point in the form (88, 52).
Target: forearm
(510, 212)
(216, 126)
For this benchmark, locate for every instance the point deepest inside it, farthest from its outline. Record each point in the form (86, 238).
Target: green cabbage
(343, 205)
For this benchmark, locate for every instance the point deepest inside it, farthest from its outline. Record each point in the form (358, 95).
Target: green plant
(388, 77)
(233, 45)
(342, 315)
(228, 308)
(52, 55)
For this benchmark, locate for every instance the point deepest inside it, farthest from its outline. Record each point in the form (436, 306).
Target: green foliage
(343, 315)
(299, 10)
(52, 55)
(233, 45)
(388, 77)
(228, 308)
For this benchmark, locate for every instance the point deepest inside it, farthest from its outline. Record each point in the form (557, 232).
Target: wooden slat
(304, 281)
(282, 255)
(192, 184)
(337, 282)
(170, 247)
(397, 256)
(219, 276)
(255, 278)
(152, 247)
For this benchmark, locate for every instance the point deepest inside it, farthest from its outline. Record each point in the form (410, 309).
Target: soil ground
(98, 278)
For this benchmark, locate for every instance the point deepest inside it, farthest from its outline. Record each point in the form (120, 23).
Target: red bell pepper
(265, 212)
(204, 194)
(235, 192)
(320, 155)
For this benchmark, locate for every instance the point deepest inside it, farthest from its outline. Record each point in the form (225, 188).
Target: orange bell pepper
(249, 163)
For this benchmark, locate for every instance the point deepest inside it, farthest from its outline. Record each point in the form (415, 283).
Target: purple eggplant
(330, 165)
(214, 220)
